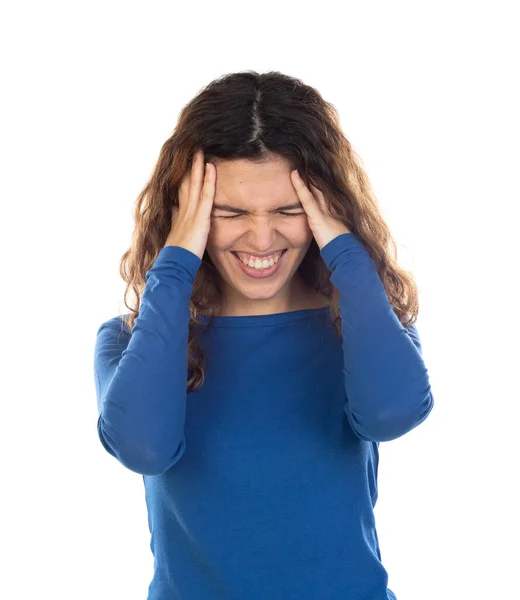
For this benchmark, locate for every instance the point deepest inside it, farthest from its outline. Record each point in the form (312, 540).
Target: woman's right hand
(191, 220)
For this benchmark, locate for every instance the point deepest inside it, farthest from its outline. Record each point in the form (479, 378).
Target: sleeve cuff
(169, 255)
(344, 243)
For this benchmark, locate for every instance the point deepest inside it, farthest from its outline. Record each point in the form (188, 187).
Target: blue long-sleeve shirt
(262, 483)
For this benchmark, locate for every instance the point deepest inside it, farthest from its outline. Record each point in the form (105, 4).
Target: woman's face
(267, 218)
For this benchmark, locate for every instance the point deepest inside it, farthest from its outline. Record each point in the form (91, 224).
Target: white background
(427, 95)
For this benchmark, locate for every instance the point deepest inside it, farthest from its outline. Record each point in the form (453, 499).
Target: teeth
(257, 263)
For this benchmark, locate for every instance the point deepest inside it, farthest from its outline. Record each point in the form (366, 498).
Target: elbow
(400, 422)
(392, 423)
(140, 458)
(148, 461)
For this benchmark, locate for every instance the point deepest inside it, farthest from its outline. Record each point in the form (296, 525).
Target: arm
(386, 381)
(141, 378)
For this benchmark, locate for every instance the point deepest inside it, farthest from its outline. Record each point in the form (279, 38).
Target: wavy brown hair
(254, 116)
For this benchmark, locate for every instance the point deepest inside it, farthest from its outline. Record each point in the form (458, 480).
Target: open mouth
(282, 253)
(263, 271)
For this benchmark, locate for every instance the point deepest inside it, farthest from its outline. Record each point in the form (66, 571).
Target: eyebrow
(232, 209)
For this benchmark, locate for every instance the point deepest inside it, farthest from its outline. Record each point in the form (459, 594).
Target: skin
(261, 190)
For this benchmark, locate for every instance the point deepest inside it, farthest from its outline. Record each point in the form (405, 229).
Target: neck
(298, 296)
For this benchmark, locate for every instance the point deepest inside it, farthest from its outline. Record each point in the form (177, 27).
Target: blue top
(262, 483)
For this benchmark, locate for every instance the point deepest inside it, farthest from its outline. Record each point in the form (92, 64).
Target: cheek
(298, 234)
(220, 235)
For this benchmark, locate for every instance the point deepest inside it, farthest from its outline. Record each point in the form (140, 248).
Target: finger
(196, 178)
(309, 202)
(184, 187)
(183, 192)
(318, 194)
(208, 190)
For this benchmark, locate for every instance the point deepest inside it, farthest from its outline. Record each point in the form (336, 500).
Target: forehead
(249, 185)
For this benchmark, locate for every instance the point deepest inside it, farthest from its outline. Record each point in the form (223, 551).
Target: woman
(271, 347)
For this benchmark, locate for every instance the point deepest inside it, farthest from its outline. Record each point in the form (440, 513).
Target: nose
(262, 235)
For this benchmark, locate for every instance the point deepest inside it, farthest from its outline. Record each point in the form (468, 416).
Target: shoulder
(114, 329)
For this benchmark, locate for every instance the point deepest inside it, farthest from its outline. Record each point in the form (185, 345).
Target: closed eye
(284, 214)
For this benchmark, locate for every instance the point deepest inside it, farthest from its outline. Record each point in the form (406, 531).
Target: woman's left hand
(323, 226)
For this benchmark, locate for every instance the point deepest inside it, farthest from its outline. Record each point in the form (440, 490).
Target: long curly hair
(253, 116)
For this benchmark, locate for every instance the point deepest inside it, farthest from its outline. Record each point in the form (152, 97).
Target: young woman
(270, 349)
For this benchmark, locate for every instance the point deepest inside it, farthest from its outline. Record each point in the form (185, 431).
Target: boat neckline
(261, 320)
